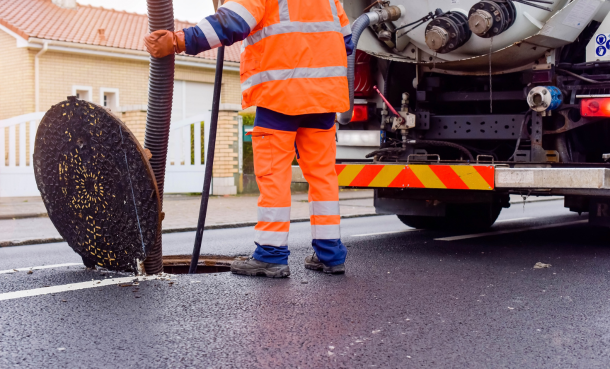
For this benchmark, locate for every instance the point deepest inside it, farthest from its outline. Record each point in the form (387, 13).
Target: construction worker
(293, 68)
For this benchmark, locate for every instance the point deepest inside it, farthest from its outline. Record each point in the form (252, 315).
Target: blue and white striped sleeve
(231, 23)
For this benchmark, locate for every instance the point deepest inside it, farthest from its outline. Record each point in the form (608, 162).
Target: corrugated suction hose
(358, 27)
(390, 13)
(160, 94)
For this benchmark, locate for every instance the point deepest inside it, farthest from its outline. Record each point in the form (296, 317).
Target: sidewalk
(24, 220)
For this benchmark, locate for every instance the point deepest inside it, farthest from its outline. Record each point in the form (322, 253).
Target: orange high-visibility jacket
(293, 55)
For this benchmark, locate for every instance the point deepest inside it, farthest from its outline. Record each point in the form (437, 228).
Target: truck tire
(473, 217)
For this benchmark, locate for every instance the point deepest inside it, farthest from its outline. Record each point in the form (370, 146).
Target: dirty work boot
(312, 262)
(254, 267)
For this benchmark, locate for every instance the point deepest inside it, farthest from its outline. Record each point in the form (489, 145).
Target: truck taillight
(361, 113)
(597, 107)
(363, 75)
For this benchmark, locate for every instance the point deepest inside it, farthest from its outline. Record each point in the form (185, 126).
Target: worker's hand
(163, 43)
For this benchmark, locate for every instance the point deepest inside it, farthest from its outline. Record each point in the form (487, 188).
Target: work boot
(254, 267)
(312, 262)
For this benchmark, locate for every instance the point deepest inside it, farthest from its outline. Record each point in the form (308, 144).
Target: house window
(82, 92)
(109, 97)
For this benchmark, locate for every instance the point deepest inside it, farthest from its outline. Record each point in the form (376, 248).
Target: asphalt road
(409, 299)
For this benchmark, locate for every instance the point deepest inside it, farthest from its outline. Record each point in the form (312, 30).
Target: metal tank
(509, 35)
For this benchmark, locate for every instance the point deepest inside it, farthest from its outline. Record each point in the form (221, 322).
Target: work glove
(163, 43)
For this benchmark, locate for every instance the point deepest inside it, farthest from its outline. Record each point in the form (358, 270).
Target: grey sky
(187, 10)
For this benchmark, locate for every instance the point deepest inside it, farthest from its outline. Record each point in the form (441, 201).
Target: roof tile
(123, 30)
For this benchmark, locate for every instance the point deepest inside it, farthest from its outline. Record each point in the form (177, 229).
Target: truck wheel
(458, 216)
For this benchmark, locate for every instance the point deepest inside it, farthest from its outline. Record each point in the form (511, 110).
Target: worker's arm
(233, 22)
(346, 30)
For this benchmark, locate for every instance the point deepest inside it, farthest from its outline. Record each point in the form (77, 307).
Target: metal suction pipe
(390, 13)
(158, 115)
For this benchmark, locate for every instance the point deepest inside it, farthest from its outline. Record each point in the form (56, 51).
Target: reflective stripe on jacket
(294, 54)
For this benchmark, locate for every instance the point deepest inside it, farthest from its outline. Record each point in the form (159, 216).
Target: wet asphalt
(407, 300)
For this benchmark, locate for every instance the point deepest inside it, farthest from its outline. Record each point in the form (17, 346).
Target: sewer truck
(456, 104)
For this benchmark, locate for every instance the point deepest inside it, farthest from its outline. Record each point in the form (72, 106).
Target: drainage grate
(179, 264)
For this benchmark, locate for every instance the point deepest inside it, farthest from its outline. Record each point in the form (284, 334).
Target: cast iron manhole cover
(97, 185)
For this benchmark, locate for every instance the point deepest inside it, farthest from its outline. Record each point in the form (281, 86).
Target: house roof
(86, 25)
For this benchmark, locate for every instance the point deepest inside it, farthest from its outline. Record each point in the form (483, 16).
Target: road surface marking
(379, 233)
(69, 287)
(466, 236)
(512, 219)
(8, 271)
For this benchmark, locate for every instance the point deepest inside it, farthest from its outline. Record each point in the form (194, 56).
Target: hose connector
(388, 13)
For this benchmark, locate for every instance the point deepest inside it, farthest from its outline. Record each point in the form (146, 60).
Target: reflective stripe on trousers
(325, 219)
(273, 226)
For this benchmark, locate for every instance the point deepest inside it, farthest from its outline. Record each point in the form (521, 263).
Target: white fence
(16, 163)
(184, 171)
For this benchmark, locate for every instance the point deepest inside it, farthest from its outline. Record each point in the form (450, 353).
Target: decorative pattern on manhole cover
(97, 185)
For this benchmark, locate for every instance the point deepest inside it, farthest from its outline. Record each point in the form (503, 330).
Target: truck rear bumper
(471, 177)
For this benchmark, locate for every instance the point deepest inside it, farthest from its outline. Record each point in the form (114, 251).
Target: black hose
(425, 142)
(444, 143)
(579, 76)
(160, 94)
(585, 66)
(358, 27)
(209, 162)
(386, 150)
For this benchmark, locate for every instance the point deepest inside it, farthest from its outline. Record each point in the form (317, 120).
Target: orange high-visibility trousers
(274, 151)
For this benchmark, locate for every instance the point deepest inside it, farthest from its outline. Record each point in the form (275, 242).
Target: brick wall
(136, 122)
(60, 71)
(225, 154)
(16, 78)
(16, 84)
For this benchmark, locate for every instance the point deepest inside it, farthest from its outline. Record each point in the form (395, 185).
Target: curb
(23, 216)
(30, 242)
(174, 230)
(210, 227)
(45, 215)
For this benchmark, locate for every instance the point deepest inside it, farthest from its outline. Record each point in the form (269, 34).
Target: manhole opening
(180, 264)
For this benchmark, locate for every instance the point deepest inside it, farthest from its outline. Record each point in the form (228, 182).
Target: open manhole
(179, 264)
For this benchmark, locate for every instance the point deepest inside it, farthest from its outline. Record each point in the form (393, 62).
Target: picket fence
(184, 171)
